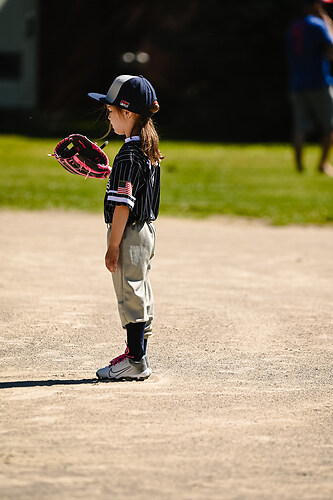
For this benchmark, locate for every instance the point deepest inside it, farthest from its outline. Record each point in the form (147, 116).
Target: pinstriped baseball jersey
(133, 182)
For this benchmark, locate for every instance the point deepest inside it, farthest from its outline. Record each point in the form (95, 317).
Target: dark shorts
(313, 110)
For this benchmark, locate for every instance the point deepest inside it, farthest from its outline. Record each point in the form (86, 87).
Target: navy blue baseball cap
(134, 93)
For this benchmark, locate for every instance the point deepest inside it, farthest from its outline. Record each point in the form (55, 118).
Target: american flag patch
(124, 103)
(125, 187)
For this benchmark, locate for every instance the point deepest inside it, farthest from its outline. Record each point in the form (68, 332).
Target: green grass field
(198, 179)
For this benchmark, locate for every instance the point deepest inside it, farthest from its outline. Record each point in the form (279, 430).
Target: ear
(128, 114)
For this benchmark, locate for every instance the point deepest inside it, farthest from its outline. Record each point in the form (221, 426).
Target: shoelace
(121, 358)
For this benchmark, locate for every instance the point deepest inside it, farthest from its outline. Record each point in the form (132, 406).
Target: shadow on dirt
(46, 383)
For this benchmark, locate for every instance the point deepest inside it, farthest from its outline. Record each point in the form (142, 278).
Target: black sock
(135, 340)
(145, 345)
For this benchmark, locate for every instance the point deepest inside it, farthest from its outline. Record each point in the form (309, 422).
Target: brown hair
(149, 138)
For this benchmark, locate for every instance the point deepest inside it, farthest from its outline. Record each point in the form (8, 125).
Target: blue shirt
(307, 42)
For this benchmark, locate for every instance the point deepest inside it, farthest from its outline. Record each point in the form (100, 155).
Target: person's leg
(149, 295)
(298, 143)
(324, 166)
(136, 250)
(135, 342)
(301, 122)
(131, 280)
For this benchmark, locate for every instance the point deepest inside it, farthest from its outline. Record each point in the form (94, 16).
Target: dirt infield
(239, 402)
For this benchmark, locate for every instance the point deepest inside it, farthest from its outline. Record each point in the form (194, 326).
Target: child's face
(117, 120)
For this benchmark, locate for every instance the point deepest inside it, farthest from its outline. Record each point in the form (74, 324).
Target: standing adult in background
(309, 48)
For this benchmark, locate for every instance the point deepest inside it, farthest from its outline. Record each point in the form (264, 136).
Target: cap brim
(99, 97)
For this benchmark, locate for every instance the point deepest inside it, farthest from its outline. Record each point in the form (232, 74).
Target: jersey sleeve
(322, 34)
(123, 183)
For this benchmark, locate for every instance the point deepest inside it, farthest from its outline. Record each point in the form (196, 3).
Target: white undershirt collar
(133, 138)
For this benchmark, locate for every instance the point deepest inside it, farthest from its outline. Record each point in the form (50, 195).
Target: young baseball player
(131, 204)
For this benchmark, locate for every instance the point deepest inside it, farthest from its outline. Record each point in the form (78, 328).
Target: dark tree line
(219, 67)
